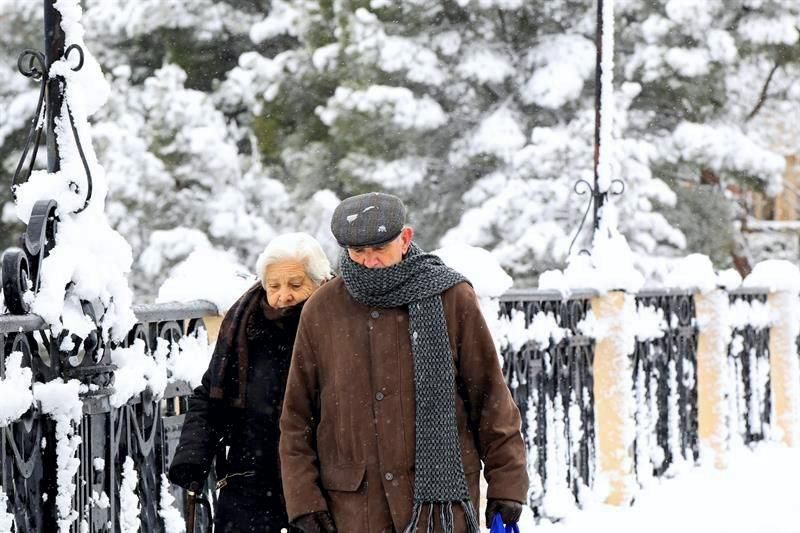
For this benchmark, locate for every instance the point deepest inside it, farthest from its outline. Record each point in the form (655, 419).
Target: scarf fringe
(446, 518)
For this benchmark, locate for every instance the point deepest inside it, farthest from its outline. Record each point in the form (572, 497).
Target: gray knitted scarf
(418, 282)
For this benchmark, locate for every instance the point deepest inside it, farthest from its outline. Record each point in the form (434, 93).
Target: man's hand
(509, 511)
(319, 522)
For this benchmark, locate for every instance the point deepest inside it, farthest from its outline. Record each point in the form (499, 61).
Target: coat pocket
(346, 478)
(346, 492)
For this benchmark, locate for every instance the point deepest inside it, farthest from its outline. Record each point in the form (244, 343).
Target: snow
(763, 30)
(485, 66)
(693, 272)
(609, 267)
(499, 134)
(15, 389)
(283, 19)
(137, 371)
(101, 501)
(729, 279)
(562, 64)
(192, 279)
(476, 264)
(130, 508)
(512, 332)
(744, 313)
(398, 105)
(399, 175)
(370, 44)
(649, 323)
(169, 513)
(488, 280)
(62, 402)
(774, 275)
(189, 360)
(7, 522)
(236, 158)
(729, 148)
(702, 499)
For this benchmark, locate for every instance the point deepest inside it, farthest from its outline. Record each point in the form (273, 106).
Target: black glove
(185, 474)
(509, 511)
(319, 522)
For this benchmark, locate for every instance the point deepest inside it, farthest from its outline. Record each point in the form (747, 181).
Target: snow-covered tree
(717, 91)
(232, 120)
(479, 113)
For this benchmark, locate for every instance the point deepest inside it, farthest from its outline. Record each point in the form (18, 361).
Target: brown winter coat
(347, 428)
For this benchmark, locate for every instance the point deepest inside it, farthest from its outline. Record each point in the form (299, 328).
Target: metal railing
(749, 364)
(144, 429)
(551, 382)
(553, 388)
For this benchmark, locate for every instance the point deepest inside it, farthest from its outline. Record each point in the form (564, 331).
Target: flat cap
(368, 219)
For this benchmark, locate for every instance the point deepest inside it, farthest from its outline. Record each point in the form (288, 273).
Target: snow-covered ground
(756, 494)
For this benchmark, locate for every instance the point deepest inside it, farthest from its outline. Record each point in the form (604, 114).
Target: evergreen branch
(763, 96)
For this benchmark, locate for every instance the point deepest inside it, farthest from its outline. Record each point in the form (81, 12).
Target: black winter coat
(251, 497)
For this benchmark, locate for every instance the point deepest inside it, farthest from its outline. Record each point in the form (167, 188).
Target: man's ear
(407, 235)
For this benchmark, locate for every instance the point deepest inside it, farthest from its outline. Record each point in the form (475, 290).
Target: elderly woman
(237, 407)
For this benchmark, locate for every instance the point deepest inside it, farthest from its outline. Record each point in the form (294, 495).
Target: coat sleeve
(299, 419)
(493, 414)
(199, 439)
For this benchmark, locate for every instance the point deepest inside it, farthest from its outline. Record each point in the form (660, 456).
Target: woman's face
(287, 283)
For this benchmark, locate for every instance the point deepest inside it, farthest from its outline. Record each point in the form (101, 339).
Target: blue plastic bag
(499, 527)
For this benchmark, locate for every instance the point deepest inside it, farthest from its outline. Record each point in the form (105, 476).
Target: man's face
(287, 284)
(385, 255)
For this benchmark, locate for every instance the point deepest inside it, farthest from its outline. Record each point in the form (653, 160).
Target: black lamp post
(53, 51)
(598, 196)
(21, 265)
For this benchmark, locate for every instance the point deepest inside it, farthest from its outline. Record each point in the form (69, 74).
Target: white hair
(300, 247)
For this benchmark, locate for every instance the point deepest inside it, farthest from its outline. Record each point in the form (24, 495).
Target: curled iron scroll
(32, 64)
(36, 69)
(583, 187)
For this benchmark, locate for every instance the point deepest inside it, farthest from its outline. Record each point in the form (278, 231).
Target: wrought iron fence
(552, 385)
(550, 378)
(665, 386)
(748, 364)
(145, 429)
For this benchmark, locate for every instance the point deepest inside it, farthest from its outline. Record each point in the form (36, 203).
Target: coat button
(388, 476)
(374, 314)
(379, 396)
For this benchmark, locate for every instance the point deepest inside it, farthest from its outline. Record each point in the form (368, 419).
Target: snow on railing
(550, 364)
(84, 420)
(132, 394)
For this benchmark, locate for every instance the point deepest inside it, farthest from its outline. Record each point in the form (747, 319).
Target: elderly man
(395, 393)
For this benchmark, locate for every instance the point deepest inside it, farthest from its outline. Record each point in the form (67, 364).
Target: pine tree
(231, 121)
(478, 113)
(716, 82)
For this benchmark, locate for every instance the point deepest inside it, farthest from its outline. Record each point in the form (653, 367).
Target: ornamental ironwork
(665, 386)
(145, 428)
(21, 265)
(553, 388)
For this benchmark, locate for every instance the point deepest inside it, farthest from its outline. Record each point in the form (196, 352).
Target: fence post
(212, 324)
(613, 396)
(784, 365)
(712, 354)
